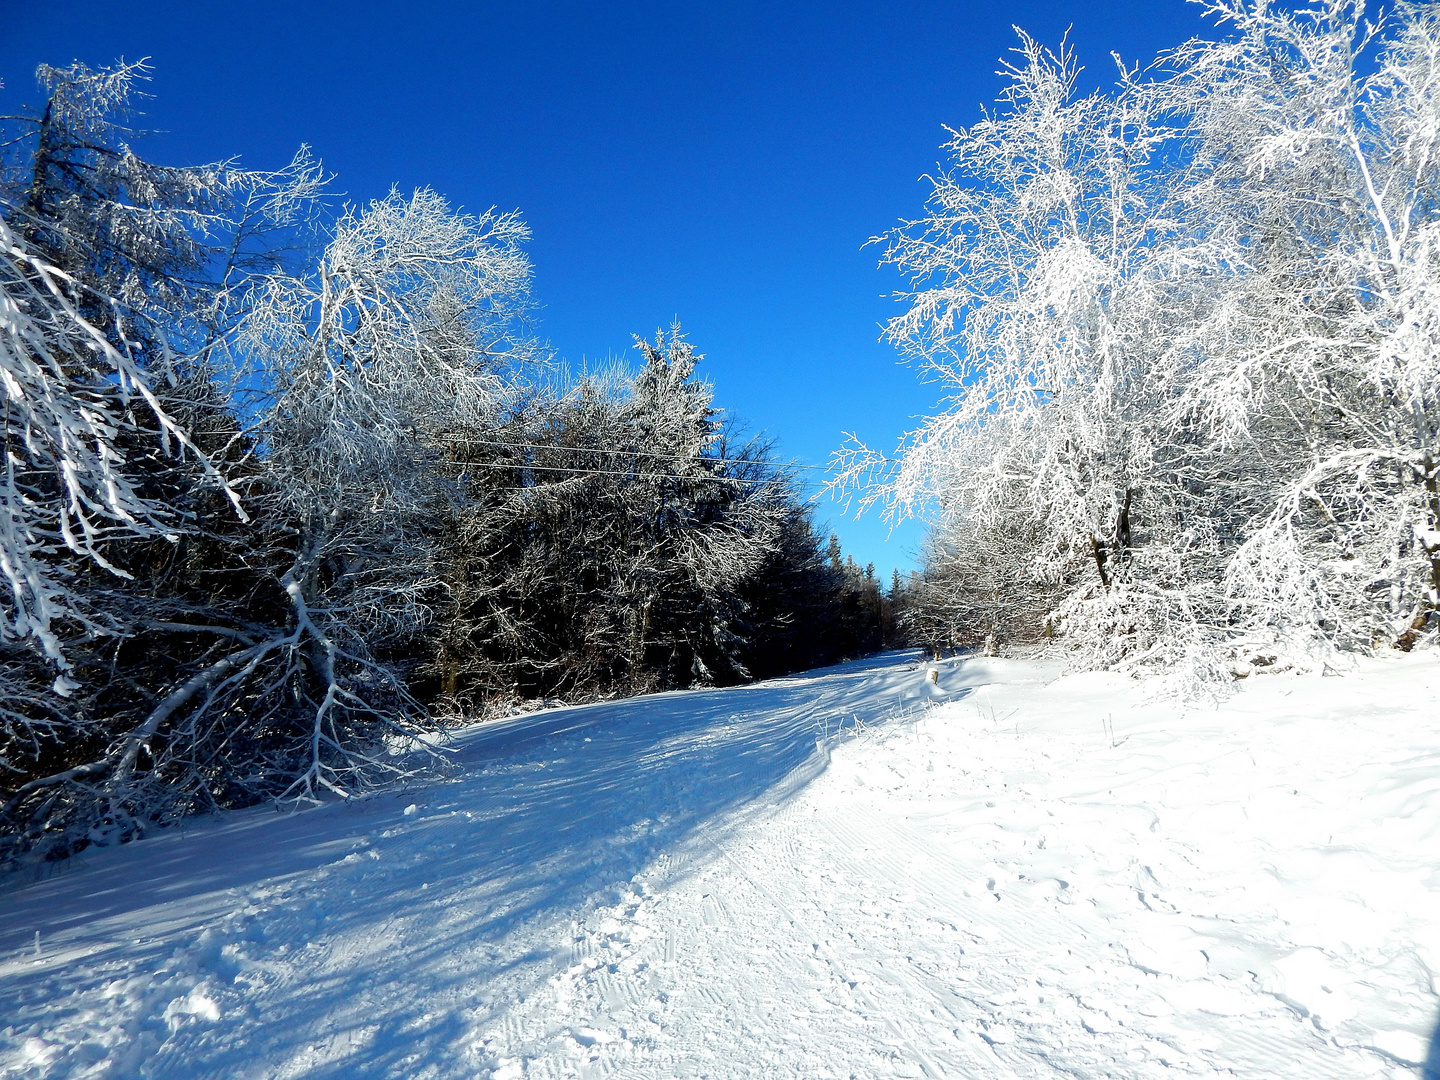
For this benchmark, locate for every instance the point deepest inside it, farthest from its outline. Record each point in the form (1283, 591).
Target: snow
(857, 872)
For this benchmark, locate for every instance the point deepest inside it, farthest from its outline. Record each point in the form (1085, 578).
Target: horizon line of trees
(286, 488)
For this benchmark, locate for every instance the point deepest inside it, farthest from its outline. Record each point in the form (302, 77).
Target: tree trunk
(1098, 550)
(1122, 525)
(1431, 480)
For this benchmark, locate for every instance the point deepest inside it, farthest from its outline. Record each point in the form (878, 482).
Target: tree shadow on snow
(426, 925)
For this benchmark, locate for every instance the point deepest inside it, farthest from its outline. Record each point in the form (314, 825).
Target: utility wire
(577, 470)
(634, 453)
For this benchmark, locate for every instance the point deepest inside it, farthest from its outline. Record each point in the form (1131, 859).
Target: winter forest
(290, 486)
(293, 486)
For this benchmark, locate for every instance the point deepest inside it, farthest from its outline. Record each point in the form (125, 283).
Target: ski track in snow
(851, 873)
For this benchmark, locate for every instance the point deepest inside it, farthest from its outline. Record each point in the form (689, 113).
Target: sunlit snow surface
(851, 873)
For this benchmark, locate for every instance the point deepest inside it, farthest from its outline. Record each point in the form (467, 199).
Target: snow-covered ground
(853, 873)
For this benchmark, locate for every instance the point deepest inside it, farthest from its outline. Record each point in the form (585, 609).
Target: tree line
(1191, 325)
(288, 488)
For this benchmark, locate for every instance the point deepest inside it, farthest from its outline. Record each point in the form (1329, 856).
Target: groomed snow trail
(855, 873)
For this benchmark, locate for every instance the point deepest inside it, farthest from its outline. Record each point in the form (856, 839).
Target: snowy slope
(852, 873)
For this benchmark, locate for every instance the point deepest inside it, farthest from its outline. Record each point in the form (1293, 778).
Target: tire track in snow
(841, 969)
(1023, 920)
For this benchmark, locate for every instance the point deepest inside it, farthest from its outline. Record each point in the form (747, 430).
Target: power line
(635, 453)
(578, 471)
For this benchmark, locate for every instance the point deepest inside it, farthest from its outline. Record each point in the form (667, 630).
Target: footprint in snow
(591, 1036)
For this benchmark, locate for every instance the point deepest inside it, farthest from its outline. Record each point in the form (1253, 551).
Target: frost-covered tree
(83, 199)
(173, 247)
(1187, 327)
(99, 273)
(268, 659)
(103, 259)
(981, 585)
(406, 331)
(68, 490)
(1316, 136)
(1048, 279)
(136, 629)
(607, 537)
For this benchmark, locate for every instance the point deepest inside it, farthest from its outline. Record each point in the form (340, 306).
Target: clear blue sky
(723, 162)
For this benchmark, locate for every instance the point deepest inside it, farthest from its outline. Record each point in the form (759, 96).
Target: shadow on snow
(406, 918)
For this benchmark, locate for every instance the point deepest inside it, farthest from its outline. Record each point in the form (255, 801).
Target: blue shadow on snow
(399, 912)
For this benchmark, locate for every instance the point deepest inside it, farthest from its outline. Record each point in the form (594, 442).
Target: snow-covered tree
(1316, 137)
(68, 489)
(606, 537)
(1047, 281)
(125, 468)
(101, 259)
(406, 331)
(1187, 325)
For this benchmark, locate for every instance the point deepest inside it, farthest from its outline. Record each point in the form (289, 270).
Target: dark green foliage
(620, 539)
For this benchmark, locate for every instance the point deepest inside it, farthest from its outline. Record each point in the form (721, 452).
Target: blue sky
(723, 163)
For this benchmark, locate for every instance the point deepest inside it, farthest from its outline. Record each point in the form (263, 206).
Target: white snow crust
(852, 873)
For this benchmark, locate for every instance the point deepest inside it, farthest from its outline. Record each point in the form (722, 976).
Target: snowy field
(853, 873)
